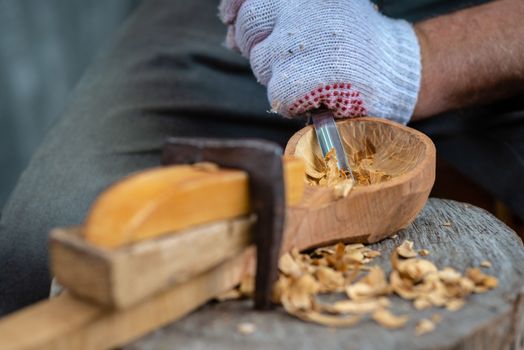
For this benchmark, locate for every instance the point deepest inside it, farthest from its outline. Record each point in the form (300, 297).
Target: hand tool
(329, 138)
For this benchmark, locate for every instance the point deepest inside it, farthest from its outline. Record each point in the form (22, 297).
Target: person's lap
(167, 74)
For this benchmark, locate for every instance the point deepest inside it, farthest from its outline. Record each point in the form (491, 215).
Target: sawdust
(342, 269)
(325, 172)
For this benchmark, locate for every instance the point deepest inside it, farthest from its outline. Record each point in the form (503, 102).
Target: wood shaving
(329, 279)
(483, 282)
(422, 303)
(421, 281)
(371, 254)
(298, 294)
(342, 189)
(359, 307)
(246, 328)
(287, 265)
(416, 269)
(327, 320)
(325, 172)
(454, 304)
(343, 268)
(406, 250)
(486, 264)
(423, 252)
(424, 326)
(373, 285)
(388, 320)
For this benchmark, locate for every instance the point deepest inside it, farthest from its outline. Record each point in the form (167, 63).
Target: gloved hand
(341, 54)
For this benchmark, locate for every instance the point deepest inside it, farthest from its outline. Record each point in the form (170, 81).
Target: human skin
(474, 56)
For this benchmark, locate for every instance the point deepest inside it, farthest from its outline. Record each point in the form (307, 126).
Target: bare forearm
(470, 57)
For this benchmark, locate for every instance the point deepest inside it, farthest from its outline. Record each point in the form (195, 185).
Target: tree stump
(456, 234)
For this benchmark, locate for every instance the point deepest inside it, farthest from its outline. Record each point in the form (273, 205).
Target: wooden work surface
(457, 235)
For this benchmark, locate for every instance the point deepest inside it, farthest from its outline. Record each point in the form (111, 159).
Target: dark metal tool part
(262, 160)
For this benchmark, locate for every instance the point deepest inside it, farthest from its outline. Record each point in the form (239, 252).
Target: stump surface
(456, 234)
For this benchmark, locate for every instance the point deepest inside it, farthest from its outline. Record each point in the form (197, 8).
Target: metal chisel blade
(328, 138)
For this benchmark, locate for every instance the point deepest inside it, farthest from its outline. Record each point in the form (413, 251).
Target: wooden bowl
(370, 212)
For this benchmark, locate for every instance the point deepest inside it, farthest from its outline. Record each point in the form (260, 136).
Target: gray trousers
(167, 74)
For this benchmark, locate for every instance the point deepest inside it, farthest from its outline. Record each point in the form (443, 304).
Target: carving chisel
(329, 138)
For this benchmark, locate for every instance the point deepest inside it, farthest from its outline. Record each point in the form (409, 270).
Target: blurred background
(45, 46)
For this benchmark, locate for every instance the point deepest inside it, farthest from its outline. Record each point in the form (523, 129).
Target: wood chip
(421, 281)
(449, 275)
(386, 319)
(373, 285)
(329, 279)
(406, 250)
(327, 320)
(416, 269)
(288, 266)
(342, 189)
(325, 172)
(356, 307)
(423, 252)
(371, 254)
(343, 268)
(425, 326)
(454, 304)
(246, 328)
(422, 303)
(486, 264)
(300, 293)
(483, 282)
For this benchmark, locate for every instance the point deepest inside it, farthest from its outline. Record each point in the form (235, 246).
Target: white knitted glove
(341, 54)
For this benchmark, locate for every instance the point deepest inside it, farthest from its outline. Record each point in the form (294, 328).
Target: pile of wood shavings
(329, 175)
(338, 269)
(326, 172)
